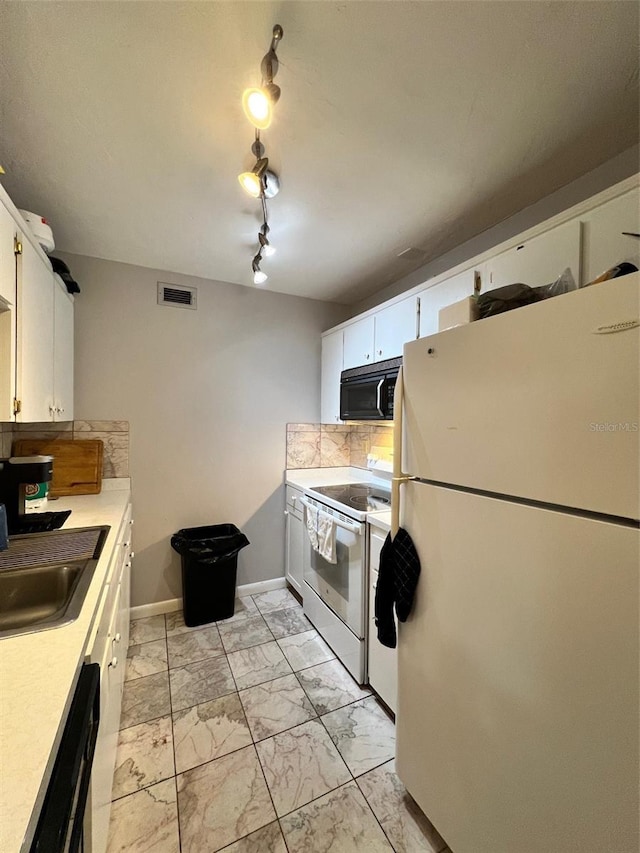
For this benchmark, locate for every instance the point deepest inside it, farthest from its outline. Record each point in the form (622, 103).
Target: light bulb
(251, 183)
(257, 105)
(268, 250)
(259, 277)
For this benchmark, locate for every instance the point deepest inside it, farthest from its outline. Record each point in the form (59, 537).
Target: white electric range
(335, 594)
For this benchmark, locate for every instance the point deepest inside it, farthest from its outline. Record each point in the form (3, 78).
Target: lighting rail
(261, 182)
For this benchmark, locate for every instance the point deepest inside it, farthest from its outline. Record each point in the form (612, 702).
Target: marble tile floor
(248, 736)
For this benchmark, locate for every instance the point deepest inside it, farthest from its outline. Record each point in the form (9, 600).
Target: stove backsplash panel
(334, 445)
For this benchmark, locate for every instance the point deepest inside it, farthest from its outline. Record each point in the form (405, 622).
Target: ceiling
(400, 125)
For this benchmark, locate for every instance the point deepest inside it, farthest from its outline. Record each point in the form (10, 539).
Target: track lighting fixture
(261, 182)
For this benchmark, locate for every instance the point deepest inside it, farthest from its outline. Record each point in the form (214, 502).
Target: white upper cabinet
(35, 336)
(359, 343)
(331, 369)
(62, 352)
(440, 295)
(603, 243)
(394, 327)
(7, 256)
(538, 261)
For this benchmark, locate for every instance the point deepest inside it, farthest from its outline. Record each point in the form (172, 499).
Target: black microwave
(366, 393)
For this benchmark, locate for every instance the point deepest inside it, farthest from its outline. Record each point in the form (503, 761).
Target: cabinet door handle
(130, 521)
(132, 555)
(379, 352)
(113, 662)
(117, 638)
(367, 355)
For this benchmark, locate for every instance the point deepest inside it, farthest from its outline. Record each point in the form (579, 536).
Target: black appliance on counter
(366, 392)
(61, 823)
(16, 473)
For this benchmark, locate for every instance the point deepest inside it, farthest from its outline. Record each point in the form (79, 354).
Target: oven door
(340, 585)
(366, 398)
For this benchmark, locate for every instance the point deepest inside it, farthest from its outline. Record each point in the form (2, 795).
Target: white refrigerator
(517, 718)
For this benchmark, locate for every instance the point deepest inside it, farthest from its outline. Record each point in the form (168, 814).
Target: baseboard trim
(171, 604)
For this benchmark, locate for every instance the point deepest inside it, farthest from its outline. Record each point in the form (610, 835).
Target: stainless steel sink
(39, 588)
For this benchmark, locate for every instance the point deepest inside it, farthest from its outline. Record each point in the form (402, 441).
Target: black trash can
(209, 565)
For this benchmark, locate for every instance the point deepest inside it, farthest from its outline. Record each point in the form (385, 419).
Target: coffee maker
(16, 473)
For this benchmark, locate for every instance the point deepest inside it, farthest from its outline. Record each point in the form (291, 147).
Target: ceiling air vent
(177, 296)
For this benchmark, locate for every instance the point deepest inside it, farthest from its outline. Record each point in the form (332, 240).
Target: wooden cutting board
(77, 465)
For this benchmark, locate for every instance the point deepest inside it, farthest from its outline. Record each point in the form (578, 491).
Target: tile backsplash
(114, 434)
(334, 445)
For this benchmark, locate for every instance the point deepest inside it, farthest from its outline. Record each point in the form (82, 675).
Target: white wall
(207, 394)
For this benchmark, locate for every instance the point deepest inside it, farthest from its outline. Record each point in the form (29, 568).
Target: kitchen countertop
(306, 478)
(38, 673)
(380, 519)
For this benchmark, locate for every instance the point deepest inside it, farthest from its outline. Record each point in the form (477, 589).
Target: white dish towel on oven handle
(321, 530)
(327, 537)
(311, 522)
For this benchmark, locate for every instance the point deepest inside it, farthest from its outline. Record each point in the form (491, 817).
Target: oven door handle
(379, 398)
(352, 528)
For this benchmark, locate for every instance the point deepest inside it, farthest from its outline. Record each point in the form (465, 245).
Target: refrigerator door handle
(399, 477)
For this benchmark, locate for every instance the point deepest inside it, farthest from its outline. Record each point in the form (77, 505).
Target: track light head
(259, 277)
(253, 182)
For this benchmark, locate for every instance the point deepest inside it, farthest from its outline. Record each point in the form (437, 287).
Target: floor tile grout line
(173, 743)
(371, 809)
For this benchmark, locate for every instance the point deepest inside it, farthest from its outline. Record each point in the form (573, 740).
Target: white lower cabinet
(108, 648)
(383, 662)
(294, 541)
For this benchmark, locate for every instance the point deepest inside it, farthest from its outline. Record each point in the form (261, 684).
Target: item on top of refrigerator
(458, 313)
(506, 299)
(61, 269)
(40, 229)
(563, 284)
(623, 268)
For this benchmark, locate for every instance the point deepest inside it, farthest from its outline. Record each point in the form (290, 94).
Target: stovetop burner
(360, 496)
